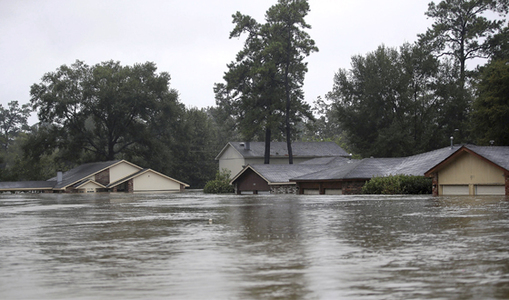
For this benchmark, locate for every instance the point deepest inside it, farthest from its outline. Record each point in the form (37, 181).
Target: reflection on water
(255, 247)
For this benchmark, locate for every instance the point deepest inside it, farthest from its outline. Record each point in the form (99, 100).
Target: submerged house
(465, 170)
(276, 179)
(109, 176)
(236, 155)
(472, 170)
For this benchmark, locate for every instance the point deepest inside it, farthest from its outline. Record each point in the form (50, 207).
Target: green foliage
(13, 120)
(220, 185)
(398, 184)
(109, 111)
(389, 103)
(491, 109)
(263, 88)
(461, 29)
(106, 110)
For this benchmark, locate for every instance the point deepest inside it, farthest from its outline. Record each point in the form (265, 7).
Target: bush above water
(398, 184)
(220, 185)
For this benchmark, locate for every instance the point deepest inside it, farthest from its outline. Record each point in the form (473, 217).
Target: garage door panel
(455, 190)
(333, 192)
(490, 190)
(311, 192)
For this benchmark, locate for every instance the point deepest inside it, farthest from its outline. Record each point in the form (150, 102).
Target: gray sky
(187, 39)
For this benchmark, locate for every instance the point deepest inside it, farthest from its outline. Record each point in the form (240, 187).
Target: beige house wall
(231, 160)
(122, 170)
(470, 170)
(89, 188)
(153, 182)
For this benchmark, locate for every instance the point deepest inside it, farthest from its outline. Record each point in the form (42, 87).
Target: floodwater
(195, 246)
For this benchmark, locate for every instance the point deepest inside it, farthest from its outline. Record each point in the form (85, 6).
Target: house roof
(282, 173)
(26, 185)
(367, 168)
(87, 181)
(279, 149)
(495, 155)
(79, 177)
(136, 174)
(79, 173)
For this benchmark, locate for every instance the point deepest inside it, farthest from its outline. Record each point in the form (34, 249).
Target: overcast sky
(187, 39)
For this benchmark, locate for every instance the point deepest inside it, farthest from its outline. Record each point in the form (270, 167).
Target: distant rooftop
(279, 149)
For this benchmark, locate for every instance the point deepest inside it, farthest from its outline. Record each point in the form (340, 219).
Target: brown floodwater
(196, 246)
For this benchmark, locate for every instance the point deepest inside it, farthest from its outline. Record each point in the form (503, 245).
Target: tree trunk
(288, 99)
(267, 146)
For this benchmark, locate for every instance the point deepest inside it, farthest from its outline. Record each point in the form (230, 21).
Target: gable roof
(279, 149)
(495, 155)
(367, 168)
(282, 173)
(139, 173)
(416, 165)
(87, 181)
(80, 173)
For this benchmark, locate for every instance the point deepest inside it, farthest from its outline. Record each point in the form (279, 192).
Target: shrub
(398, 184)
(220, 185)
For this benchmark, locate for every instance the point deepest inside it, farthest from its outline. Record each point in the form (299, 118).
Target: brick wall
(130, 186)
(103, 177)
(353, 187)
(434, 182)
(284, 189)
(507, 184)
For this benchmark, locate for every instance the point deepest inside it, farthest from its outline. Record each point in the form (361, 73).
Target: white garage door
(490, 190)
(333, 192)
(449, 190)
(311, 192)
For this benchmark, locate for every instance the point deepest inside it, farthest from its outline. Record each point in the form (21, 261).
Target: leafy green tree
(390, 102)
(290, 44)
(197, 149)
(462, 31)
(264, 84)
(461, 28)
(370, 102)
(13, 120)
(104, 111)
(491, 108)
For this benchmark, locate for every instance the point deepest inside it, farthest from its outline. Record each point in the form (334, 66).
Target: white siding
(122, 170)
(231, 160)
(89, 188)
(153, 182)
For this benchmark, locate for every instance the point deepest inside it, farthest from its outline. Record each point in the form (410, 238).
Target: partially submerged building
(465, 170)
(236, 155)
(472, 170)
(109, 176)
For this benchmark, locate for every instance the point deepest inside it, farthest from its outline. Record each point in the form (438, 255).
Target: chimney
(59, 176)
(247, 146)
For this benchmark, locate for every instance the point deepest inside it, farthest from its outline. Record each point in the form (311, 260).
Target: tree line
(391, 102)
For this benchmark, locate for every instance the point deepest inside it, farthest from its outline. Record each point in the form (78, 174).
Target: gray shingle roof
(283, 173)
(279, 149)
(26, 185)
(81, 172)
(415, 165)
(497, 154)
